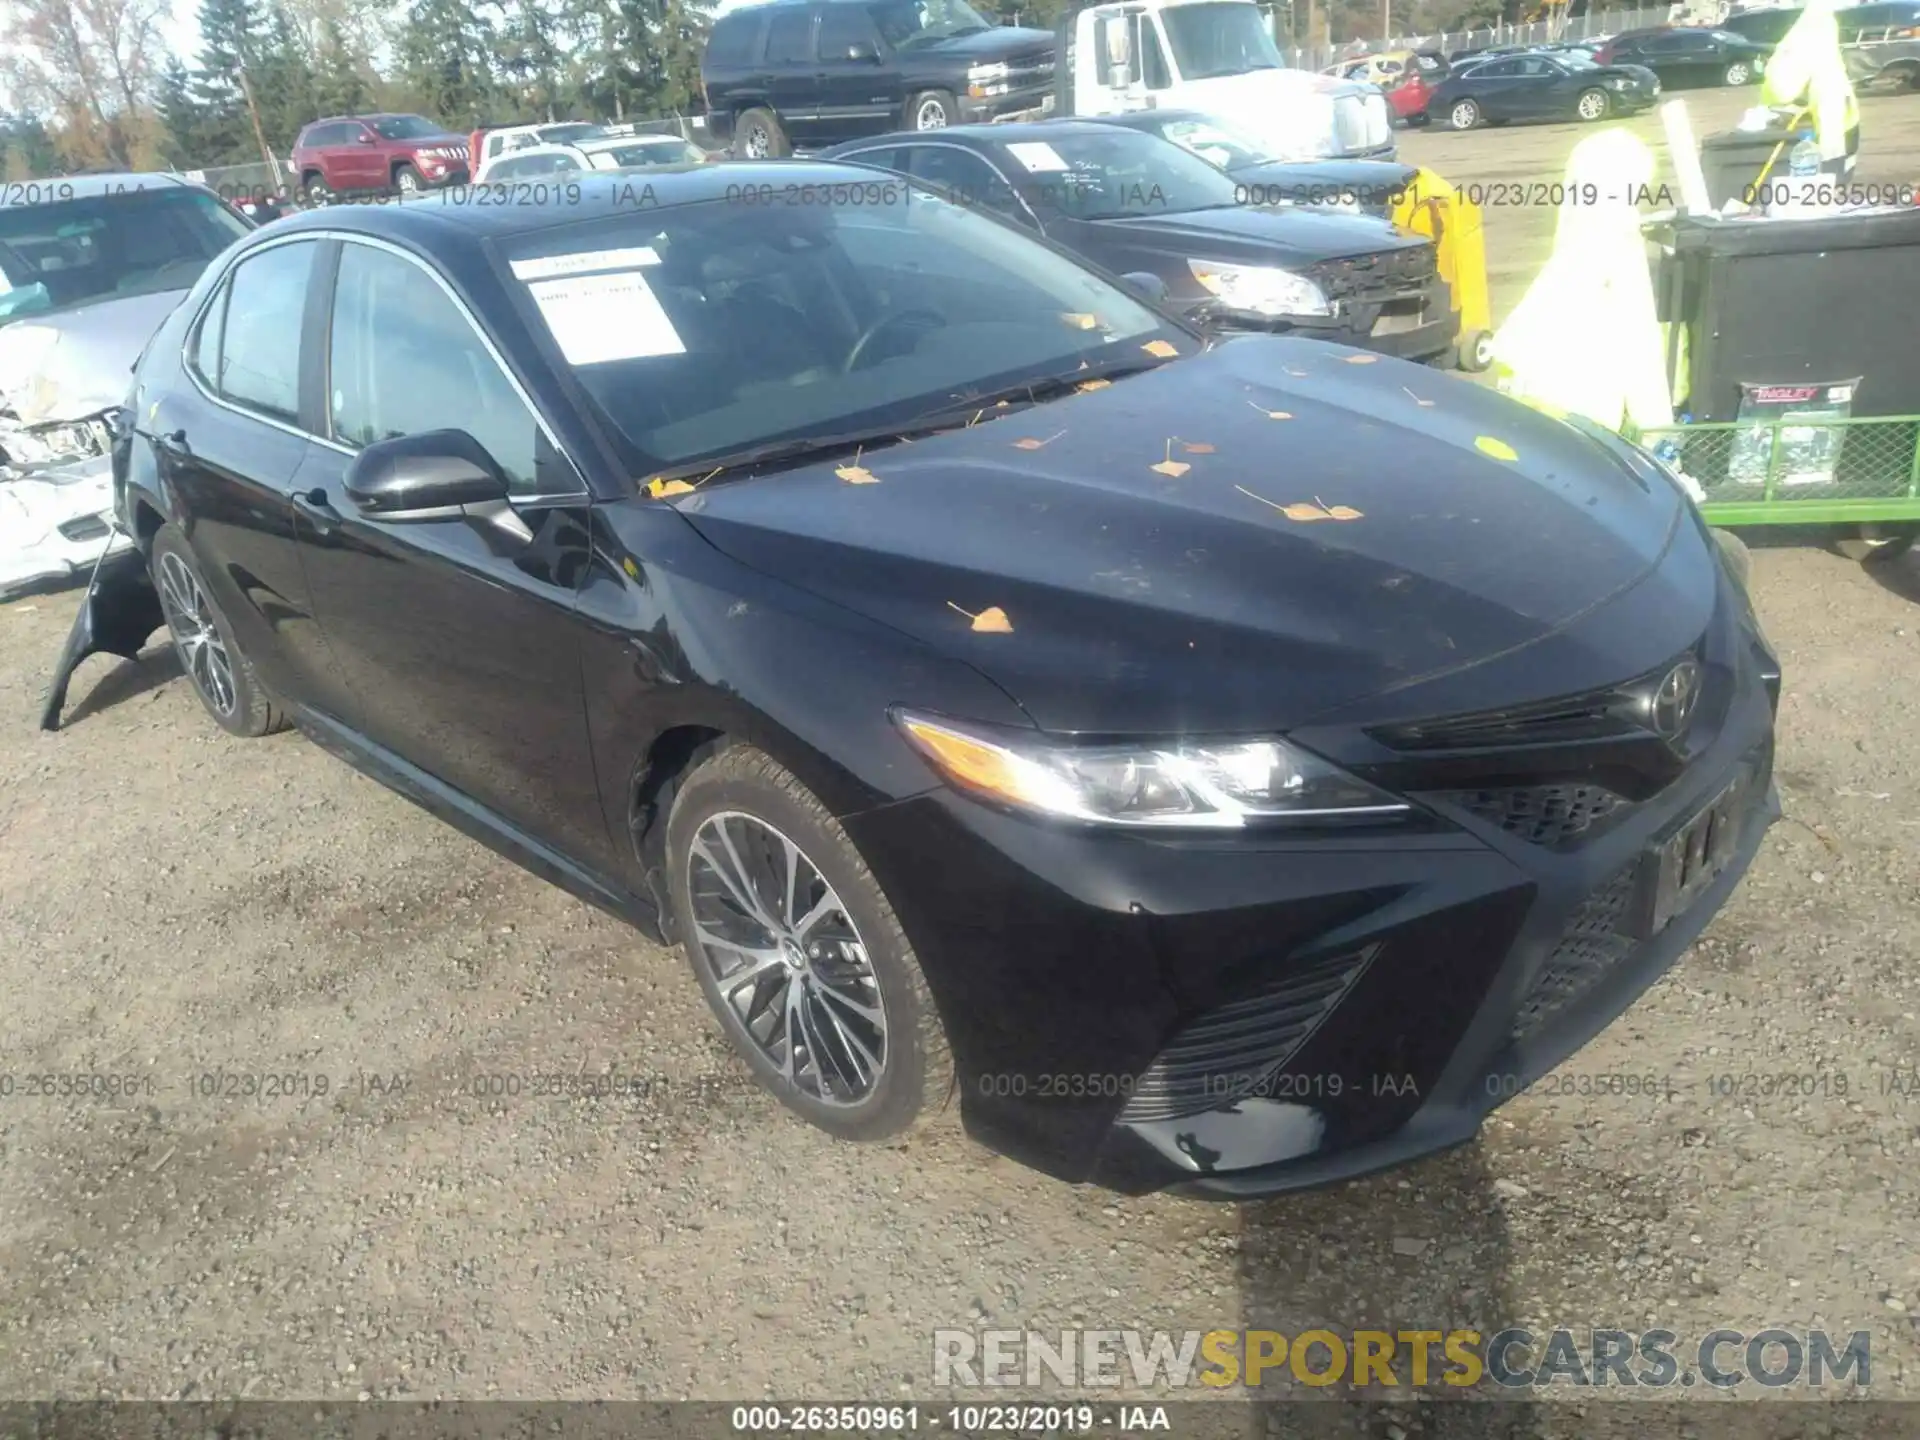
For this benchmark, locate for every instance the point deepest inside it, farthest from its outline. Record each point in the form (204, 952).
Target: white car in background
(623, 152)
(509, 139)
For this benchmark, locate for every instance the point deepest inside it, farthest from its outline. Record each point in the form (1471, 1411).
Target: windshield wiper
(1049, 387)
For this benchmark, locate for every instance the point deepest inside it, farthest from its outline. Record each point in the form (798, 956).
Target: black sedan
(1685, 57)
(1216, 764)
(1139, 205)
(1365, 187)
(1564, 86)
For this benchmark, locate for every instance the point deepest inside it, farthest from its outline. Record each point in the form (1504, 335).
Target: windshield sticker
(1037, 156)
(598, 318)
(584, 262)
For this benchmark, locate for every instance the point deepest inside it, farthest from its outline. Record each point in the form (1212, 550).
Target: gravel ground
(174, 903)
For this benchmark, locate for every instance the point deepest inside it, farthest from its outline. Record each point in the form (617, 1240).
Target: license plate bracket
(1674, 871)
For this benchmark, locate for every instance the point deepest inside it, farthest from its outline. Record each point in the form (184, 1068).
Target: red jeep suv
(376, 155)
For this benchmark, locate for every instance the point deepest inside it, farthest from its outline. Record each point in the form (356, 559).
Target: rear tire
(1463, 114)
(1738, 73)
(221, 675)
(1592, 105)
(872, 1059)
(1877, 544)
(757, 135)
(1476, 350)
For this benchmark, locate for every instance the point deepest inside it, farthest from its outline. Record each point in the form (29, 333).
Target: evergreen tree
(446, 49)
(230, 33)
(339, 84)
(283, 80)
(179, 114)
(652, 57)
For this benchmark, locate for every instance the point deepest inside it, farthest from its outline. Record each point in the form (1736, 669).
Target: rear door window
(257, 363)
(790, 37)
(732, 41)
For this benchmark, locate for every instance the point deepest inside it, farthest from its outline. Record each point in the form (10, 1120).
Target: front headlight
(1197, 784)
(1261, 289)
(981, 74)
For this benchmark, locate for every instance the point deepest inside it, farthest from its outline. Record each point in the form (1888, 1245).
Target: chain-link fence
(1793, 470)
(1452, 42)
(238, 182)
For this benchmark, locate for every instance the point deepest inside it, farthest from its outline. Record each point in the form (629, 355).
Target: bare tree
(93, 64)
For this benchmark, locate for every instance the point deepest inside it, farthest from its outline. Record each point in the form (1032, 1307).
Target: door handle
(318, 509)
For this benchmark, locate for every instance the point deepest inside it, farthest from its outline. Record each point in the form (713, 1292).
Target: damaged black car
(1010, 700)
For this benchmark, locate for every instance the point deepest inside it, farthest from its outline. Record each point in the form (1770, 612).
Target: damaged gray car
(89, 267)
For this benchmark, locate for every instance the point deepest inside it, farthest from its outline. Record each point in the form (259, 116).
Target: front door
(792, 87)
(458, 636)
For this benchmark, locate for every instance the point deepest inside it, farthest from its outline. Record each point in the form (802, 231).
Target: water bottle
(1803, 175)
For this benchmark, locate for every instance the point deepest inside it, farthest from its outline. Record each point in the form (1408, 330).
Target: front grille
(1362, 123)
(1551, 815)
(1376, 277)
(1594, 941)
(1230, 1053)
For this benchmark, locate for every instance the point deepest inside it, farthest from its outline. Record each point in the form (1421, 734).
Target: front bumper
(1420, 326)
(442, 179)
(1427, 975)
(1028, 103)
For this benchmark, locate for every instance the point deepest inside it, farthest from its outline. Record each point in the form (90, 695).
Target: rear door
(1495, 85)
(230, 444)
(792, 86)
(457, 636)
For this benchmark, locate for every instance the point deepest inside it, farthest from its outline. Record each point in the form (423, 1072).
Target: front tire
(799, 953)
(1592, 105)
(932, 110)
(1464, 115)
(222, 676)
(1738, 73)
(408, 181)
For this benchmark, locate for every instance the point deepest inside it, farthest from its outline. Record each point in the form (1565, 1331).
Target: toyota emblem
(1673, 702)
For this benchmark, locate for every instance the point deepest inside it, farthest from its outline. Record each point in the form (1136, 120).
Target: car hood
(73, 364)
(1263, 234)
(1183, 598)
(1000, 43)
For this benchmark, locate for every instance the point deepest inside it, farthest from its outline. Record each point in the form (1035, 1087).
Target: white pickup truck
(1216, 56)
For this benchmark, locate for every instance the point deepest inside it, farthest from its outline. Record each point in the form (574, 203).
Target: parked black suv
(813, 72)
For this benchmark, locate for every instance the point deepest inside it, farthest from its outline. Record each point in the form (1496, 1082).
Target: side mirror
(364, 138)
(25, 301)
(863, 51)
(1147, 285)
(424, 477)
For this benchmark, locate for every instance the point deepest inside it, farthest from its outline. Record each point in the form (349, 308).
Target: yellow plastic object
(1435, 209)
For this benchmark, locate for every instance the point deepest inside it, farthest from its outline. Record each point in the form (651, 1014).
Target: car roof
(86, 187)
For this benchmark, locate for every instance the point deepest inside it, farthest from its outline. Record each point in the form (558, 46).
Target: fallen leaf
(1081, 322)
(1199, 449)
(1291, 371)
(1086, 385)
(1270, 414)
(990, 621)
(1174, 469)
(1304, 513)
(1160, 349)
(857, 475)
(1029, 443)
(633, 570)
(1498, 449)
(660, 489)
(1345, 512)
(1361, 359)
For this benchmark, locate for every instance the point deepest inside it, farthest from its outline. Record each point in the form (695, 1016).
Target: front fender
(117, 615)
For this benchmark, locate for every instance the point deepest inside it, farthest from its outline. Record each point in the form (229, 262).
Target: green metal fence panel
(1792, 472)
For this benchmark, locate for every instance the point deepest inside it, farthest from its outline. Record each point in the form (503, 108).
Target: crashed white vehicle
(89, 267)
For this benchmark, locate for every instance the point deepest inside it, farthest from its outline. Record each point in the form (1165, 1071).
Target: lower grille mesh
(1228, 1053)
(1550, 815)
(1594, 941)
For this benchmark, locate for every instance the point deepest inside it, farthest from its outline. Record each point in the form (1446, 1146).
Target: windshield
(568, 134)
(128, 242)
(407, 127)
(912, 24)
(1112, 173)
(1212, 39)
(1216, 143)
(656, 152)
(1577, 60)
(725, 333)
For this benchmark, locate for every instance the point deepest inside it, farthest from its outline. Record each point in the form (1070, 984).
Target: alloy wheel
(408, 184)
(1592, 105)
(203, 654)
(759, 143)
(1464, 115)
(1738, 73)
(786, 959)
(932, 115)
